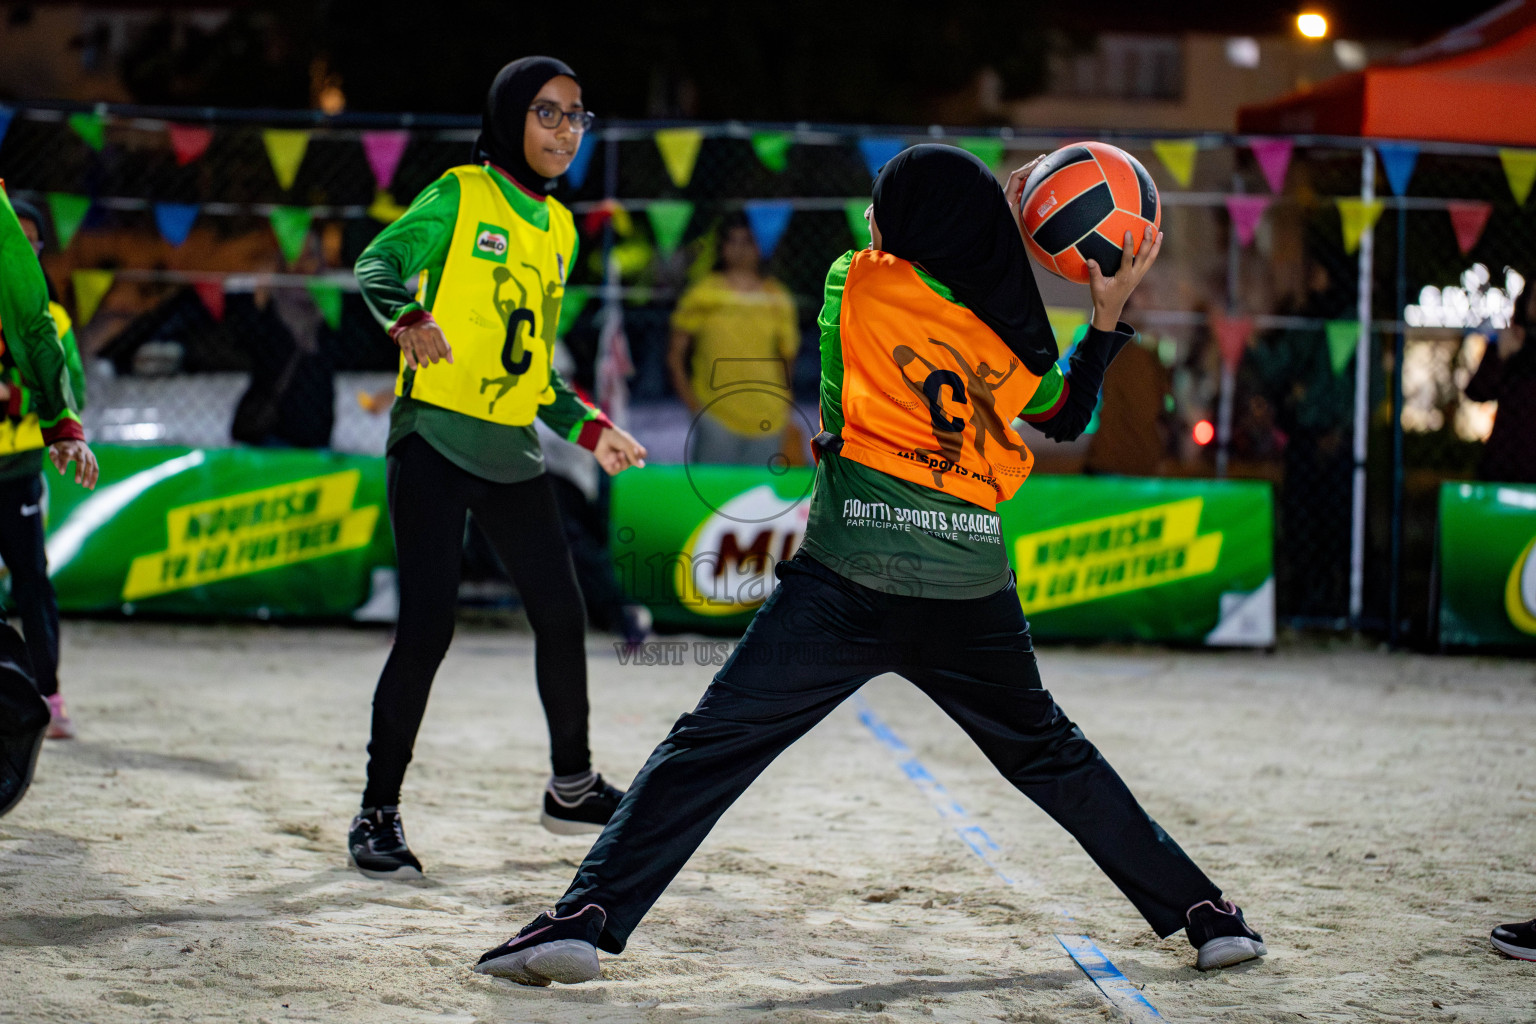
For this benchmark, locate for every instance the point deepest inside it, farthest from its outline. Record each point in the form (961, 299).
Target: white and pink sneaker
(60, 725)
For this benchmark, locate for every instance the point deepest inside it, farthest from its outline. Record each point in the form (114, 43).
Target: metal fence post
(1362, 393)
(1394, 627)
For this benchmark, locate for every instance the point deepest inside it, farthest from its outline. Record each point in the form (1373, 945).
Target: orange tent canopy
(1476, 83)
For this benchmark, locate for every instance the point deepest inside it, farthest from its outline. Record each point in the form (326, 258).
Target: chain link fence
(1250, 321)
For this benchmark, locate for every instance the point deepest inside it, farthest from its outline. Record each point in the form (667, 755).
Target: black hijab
(506, 111)
(941, 207)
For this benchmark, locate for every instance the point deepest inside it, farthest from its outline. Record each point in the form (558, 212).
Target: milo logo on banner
(491, 243)
(726, 567)
(1520, 591)
(1069, 565)
(240, 534)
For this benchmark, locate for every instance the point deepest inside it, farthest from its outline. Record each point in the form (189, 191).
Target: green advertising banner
(242, 532)
(1488, 565)
(1096, 557)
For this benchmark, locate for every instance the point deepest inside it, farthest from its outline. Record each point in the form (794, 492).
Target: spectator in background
(1132, 437)
(291, 400)
(734, 339)
(1507, 375)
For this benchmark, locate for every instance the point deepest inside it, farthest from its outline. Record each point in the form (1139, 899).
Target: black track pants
(817, 640)
(428, 499)
(21, 548)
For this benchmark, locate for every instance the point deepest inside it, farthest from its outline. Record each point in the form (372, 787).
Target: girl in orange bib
(933, 342)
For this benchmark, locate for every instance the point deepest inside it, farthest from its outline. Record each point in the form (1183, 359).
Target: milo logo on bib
(491, 243)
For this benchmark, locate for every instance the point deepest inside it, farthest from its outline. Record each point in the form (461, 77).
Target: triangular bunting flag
(1520, 170)
(91, 286)
(67, 211)
(608, 210)
(575, 300)
(384, 209)
(1468, 218)
(92, 127)
(1397, 161)
(772, 149)
(985, 148)
(290, 224)
(1232, 335)
(679, 150)
(858, 226)
(1274, 157)
(877, 151)
(1064, 323)
(1343, 339)
(1178, 155)
(669, 219)
(327, 297)
(285, 149)
(188, 142)
(1357, 216)
(6, 113)
(175, 220)
(383, 150)
(576, 174)
(211, 293)
(768, 219)
(1246, 211)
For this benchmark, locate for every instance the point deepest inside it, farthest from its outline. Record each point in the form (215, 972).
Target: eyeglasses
(550, 117)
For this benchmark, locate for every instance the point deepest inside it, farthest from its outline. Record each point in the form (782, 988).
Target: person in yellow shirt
(734, 339)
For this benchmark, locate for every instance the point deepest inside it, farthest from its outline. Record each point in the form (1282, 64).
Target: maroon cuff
(64, 430)
(592, 430)
(13, 404)
(411, 319)
(1061, 400)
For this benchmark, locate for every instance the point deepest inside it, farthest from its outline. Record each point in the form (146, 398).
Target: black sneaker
(552, 948)
(587, 813)
(1516, 940)
(23, 720)
(1222, 937)
(376, 845)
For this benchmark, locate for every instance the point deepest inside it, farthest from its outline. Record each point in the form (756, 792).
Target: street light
(1312, 25)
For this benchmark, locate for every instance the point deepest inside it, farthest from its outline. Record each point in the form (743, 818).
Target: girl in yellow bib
(492, 251)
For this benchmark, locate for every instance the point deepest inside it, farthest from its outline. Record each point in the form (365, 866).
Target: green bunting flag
(327, 296)
(92, 127)
(986, 148)
(91, 286)
(285, 149)
(772, 148)
(669, 219)
(67, 211)
(854, 209)
(576, 298)
(1343, 339)
(290, 224)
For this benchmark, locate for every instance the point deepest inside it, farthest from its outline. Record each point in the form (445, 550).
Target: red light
(1204, 432)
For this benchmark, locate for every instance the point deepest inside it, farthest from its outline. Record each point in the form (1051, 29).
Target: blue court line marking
(1114, 986)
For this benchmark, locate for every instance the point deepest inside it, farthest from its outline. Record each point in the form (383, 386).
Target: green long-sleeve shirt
(34, 362)
(419, 241)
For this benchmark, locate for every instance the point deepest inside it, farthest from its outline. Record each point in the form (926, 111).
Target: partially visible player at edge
(493, 251)
(40, 411)
(932, 342)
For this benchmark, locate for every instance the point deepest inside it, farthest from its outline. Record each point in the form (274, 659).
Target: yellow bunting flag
(1178, 155)
(384, 209)
(285, 148)
(91, 286)
(1520, 169)
(1065, 323)
(679, 149)
(1358, 216)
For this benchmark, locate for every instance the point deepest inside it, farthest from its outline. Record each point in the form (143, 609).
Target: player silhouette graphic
(975, 391)
(515, 357)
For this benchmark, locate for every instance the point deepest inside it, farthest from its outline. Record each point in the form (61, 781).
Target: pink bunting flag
(1232, 334)
(1468, 218)
(1274, 157)
(1246, 212)
(212, 295)
(384, 150)
(188, 141)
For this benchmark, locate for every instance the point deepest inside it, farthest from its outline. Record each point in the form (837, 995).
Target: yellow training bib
(26, 433)
(498, 303)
